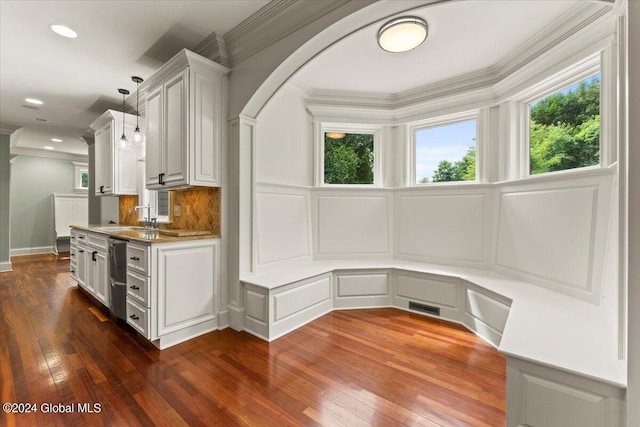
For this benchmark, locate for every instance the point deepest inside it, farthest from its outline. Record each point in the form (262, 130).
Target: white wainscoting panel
(442, 228)
(362, 289)
(549, 234)
(353, 224)
(283, 225)
(440, 292)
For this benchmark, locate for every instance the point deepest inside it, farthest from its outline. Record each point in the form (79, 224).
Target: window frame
(438, 121)
(376, 131)
(80, 168)
(576, 73)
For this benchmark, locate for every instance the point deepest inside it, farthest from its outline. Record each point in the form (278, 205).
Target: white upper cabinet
(185, 106)
(115, 170)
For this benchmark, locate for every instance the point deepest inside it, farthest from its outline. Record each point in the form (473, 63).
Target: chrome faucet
(148, 221)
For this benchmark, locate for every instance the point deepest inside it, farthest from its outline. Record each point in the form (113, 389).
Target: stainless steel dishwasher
(118, 277)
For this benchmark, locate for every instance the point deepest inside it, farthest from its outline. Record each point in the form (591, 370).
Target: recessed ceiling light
(38, 119)
(64, 31)
(56, 139)
(48, 147)
(34, 101)
(403, 34)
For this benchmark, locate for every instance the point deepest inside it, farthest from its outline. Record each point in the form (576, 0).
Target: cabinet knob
(134, 317)
(134, 258)
(80, 237)
(73, 271)
(134, 287)
(73, 254)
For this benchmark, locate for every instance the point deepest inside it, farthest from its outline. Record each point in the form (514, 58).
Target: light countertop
(141, 234)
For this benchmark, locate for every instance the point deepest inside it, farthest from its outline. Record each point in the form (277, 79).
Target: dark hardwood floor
(361, 367)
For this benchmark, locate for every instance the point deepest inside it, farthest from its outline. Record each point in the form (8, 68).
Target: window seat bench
(562, 352)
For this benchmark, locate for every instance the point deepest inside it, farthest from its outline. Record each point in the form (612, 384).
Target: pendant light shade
(123, 143)
(137, 137)
(403, 34)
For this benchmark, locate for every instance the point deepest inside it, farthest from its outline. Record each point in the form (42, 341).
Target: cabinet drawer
(138, 288)
(138, 258)
(98, 241)
(73, 269)
(81, 236)
(138, 317)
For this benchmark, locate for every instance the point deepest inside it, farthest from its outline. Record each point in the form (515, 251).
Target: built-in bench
(562, 353)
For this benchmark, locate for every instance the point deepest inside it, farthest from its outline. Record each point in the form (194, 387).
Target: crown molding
(275, 21)
(578, 18)
(106, 117)
(481, 88)
(21, 151)
(8, 129)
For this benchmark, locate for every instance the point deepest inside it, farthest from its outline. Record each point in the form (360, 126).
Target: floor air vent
(424, 308)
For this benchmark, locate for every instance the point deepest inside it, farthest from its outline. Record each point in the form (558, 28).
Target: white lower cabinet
(172, 289)
(98, 276)
(89, 264)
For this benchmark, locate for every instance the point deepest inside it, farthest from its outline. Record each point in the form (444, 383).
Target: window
(445, 152)
(81, 180)
(564, 128)
(348, 158)
(348, 155)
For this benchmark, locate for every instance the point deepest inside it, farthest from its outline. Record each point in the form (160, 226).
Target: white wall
(284, 149)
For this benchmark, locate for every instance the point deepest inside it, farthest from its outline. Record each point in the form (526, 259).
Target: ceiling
(77, 79)
(464, 37)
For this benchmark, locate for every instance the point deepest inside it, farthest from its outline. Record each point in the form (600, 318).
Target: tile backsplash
(128, 215)
(199, 210)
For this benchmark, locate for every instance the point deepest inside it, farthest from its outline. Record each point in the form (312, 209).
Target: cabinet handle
(93, 255)
(134, 258)
(134, 317)
(134, 287)
(161, 179)
(80, 237)
(81, 251)
(102, 189)
(73, 271)
(73, 254)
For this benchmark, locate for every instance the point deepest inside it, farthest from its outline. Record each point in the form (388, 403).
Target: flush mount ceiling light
(403, 34)
(34, 101)
(63, 30)
(123, 143)
(335, 135)
(137, 136)
(56, 140)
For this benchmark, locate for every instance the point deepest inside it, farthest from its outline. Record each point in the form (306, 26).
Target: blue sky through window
(571, 88)
(448, 142)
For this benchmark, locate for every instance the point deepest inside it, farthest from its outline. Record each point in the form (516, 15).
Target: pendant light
(123, 143)
(137, 136)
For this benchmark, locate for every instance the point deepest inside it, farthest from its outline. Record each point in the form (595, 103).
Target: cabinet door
(90, 271)
(125, 174)
(101, 140)
(186, 285)
(101, 277)
(176, 141)
(81, 257)
(154, 142)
